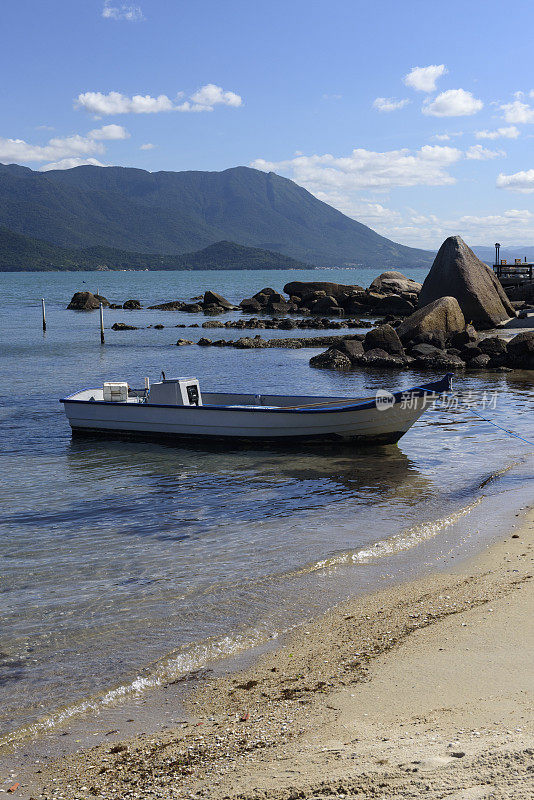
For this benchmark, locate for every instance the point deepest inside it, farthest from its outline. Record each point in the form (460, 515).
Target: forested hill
(22, 253)
(180, 212)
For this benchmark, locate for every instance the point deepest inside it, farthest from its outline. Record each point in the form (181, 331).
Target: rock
(435, 323)
(213, 323)
(384, 337)
(470, 350)
(493, 346)
(304, 289)
(469, 334)
(172, 305)
(191, 307)
(211, 308)
(457, 272)
(159, 326)
(352, 348)
(278, 308)
(247, 343)
(212, 298)
(395, 283)
(479, 362)
(287, 324)
(440, 361)
(422, 350)
(182, 342)
(380, 358)
(250, 304)
(86, 301)
(521, 350)
(133, 305)
(121, 326)
(203, 342)
(331, 359)
(115, 306)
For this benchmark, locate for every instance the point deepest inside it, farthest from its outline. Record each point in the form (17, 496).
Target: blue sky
(416, 118)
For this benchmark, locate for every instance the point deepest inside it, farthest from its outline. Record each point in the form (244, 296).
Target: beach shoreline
(386, 689)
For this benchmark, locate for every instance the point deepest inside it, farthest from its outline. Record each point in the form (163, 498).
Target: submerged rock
(121, 326)
(457, 272)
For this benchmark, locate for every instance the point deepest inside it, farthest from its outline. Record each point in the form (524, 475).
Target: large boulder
(457, 272)
(86, 301)
(385, 338)
(394, 282)
(436, 323)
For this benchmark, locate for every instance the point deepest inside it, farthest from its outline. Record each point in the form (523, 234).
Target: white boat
(176, 409)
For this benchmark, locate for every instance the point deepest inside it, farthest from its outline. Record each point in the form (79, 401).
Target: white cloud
(511, 132)
(446, 137)
(389, 104)
(478, 153)
(147, 146)
(212, 95)
(69, 163)
(518, 182)
(427, 230)
(122, 12)
(340, 180)
(423, 79)
(109, 132)
(204, 99)
(453, 103)
(117, 103)
(60, 149)
(518, 112)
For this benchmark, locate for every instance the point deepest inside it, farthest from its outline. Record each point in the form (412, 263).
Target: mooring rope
(510, 433)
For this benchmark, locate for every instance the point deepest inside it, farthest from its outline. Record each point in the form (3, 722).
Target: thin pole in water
(44, 313)
(102, 340)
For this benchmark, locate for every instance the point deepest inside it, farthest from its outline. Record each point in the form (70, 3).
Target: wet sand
(425, 689)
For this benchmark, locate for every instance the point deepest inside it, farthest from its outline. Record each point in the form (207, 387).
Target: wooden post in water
(44, 313)
(102, 340)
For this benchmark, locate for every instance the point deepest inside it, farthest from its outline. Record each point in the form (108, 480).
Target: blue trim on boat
(436, 387)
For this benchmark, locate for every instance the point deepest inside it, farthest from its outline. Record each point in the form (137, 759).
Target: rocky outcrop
(86, 301)
(435, 323)
(304, 289)
(457, 272)
(132, 305)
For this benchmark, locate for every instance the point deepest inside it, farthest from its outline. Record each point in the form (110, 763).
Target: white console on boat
(176, 392)
(115, 392)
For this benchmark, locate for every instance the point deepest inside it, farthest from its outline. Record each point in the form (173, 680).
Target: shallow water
(124, 565)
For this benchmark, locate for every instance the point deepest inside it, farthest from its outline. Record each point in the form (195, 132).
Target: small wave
(164, 671)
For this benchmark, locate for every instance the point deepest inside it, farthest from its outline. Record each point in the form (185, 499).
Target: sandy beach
(425, 689)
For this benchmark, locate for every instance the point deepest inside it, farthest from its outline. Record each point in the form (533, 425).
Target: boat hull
(359, 422)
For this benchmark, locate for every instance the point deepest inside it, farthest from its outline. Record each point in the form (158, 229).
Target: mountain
(178, 212)
(22, 253)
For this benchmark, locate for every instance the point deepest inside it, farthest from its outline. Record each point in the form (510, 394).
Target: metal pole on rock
(102, 340)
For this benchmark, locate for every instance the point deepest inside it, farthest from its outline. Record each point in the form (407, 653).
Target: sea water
(124, 565)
